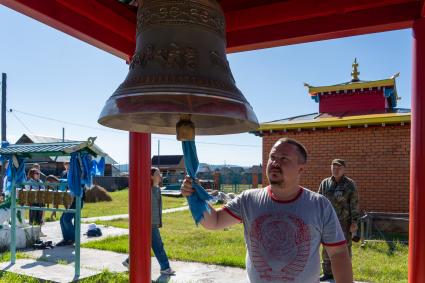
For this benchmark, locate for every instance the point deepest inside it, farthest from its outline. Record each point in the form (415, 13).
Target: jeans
(67, 226)
(158, 249)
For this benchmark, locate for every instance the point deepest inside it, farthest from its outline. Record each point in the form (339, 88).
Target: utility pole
(63, 134)
(3, 107)
(3, 121)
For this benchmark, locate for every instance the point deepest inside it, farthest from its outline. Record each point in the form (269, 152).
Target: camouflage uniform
(344, 198)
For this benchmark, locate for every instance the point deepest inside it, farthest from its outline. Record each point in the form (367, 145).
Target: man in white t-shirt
(284, 223)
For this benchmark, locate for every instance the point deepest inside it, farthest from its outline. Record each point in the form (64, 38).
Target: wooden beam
(110, 25)
(327, 27)
(111, 14)
(95, 32)
(277, 12)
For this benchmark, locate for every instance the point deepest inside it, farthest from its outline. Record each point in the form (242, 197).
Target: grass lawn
(377, 262)
(119, 205)
(225, 247)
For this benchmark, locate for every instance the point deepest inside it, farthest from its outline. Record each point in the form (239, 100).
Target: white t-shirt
(283, 237)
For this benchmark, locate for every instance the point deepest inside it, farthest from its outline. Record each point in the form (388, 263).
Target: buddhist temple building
(357, 121)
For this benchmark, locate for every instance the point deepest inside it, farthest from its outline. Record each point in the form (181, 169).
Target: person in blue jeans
(67, 225)
(156, 211)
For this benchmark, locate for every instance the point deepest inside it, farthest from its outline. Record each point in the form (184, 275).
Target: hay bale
(97, 194)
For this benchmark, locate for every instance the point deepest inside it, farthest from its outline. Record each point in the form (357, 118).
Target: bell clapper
(185, 128)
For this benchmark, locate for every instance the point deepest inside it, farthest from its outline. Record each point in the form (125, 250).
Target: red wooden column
(417, 159)
(140, 208)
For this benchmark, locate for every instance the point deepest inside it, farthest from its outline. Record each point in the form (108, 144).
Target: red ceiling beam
(278, 12)
(327, 27)
(115, 16)
(95, 31)
(110, 25)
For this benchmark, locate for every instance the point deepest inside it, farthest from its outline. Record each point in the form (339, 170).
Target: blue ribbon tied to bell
(198, 201)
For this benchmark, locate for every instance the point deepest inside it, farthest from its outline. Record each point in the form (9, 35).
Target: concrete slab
(90, 258)
(198, 272)
(52, 272)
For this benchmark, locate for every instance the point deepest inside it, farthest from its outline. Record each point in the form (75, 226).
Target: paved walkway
(123, 216)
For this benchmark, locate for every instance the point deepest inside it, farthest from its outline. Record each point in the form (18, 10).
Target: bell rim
(239, 116)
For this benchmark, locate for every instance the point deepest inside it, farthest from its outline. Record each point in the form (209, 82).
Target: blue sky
(54, 75)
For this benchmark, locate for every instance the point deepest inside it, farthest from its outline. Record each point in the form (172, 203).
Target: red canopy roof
(251, 24)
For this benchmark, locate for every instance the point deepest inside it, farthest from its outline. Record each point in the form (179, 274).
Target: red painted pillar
(417, 159)
(140, 208)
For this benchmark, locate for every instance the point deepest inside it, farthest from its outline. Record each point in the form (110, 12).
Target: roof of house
(166, 160)
(346, 119)
(49, 149)
(37, 139)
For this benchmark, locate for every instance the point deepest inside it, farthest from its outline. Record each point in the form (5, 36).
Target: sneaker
(326, 277)
(168, 271)
(65, 243)
(126, 262)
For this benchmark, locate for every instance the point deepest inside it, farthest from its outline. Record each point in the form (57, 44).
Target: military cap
(339, 162)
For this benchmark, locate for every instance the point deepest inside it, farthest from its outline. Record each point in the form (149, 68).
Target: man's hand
(353, 227)
(186, 188)
(217, 219)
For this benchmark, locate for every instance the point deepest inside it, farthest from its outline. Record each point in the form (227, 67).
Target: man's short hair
(302, 151)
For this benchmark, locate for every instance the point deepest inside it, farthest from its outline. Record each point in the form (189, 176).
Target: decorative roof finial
(355, 73)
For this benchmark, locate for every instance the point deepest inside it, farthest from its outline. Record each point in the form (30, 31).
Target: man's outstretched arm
(341, 263)
(218, 219)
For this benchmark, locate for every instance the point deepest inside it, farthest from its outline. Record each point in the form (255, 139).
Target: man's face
(283, 167)
(337, 170)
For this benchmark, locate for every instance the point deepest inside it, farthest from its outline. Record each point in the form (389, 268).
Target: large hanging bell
(179, 71)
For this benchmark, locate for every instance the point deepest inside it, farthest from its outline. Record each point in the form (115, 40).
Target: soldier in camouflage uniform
(342, 193)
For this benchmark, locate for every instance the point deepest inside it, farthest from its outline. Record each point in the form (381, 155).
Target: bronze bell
(179, 70)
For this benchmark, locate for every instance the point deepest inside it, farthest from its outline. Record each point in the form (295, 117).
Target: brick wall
(377, 159)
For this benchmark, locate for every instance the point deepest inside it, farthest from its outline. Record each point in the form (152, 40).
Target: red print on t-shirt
(280, 246)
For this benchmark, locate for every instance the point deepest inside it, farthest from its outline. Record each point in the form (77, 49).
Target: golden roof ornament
(355, 73)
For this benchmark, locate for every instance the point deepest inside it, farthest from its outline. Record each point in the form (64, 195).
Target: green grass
(377, 262)
(380, 262)
(119, 205)
(184, 241)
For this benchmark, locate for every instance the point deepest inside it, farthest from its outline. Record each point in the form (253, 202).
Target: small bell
(179, 69)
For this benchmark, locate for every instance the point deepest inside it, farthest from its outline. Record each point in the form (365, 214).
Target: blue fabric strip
(17, 173)
(74, 175)
(198, 201)
(79, 172)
